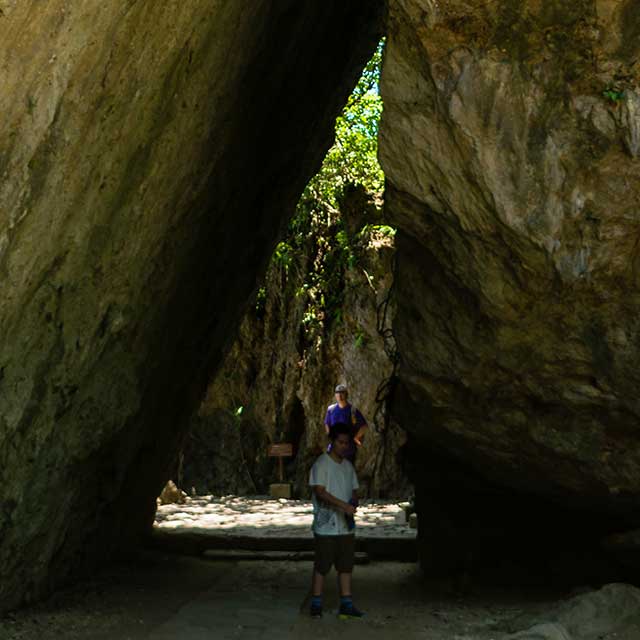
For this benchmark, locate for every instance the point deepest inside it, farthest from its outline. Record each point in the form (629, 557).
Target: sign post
(281, 450)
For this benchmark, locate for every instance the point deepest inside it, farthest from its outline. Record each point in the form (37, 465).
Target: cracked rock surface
(510, 144)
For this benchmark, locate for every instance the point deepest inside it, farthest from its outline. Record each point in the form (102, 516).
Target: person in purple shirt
(344, 412)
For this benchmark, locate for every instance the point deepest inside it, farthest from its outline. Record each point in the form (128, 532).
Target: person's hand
(349, 509)
(358, 441)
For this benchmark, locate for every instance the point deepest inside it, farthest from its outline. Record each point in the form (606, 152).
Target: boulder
(508, 140)
(545, 631)
(150, 153)
(171, 494)
(611, 612)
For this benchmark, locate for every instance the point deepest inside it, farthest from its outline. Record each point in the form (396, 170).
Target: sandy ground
(265, 517)
(163, 597)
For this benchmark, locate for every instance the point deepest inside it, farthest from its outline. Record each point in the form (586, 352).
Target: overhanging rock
(507, 142)
(149, 154)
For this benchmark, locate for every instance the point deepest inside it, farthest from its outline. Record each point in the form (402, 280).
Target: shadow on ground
(161, 597)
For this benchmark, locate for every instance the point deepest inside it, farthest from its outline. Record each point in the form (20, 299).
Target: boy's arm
(355, 484)
(323, 495)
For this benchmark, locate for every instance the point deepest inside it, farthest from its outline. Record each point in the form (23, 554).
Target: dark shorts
(334, 550)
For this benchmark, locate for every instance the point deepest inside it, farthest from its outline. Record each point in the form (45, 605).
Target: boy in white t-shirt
(334, 485)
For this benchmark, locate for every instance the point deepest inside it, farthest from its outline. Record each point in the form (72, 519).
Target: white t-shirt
(340, 480)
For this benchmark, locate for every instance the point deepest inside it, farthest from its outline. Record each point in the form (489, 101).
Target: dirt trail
(159, 597)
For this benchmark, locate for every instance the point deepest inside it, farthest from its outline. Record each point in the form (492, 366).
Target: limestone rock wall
(510, 144)
(275, 386)
(149, 152)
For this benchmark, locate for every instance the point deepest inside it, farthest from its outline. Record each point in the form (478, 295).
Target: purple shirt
(336, 413)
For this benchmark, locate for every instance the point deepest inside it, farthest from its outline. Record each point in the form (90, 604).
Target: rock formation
(149, 153)
(275, 384)
(611, 612)
(510, 144)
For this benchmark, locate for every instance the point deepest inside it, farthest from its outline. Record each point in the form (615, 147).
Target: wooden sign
(281, 450)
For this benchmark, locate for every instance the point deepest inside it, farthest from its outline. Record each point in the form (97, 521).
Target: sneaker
(347, 613)
(316, 612)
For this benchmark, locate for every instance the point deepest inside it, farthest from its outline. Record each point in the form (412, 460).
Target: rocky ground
(163, 597)
(264, 517)
(156, 596)
(169, 597)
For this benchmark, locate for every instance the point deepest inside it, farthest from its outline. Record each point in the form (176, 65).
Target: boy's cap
(341, 388)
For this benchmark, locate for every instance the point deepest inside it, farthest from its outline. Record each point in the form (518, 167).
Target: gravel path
(261, 516)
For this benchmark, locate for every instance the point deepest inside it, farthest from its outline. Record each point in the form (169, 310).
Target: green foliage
(379, 229)
(613, 95)
(318, 250)
(236, 415)
(283, 255)
(261, 301)
(353, 158)
(360, 338)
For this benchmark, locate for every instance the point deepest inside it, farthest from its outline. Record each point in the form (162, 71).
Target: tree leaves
(317, 244)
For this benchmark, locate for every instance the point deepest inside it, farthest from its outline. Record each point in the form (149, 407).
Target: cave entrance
(315, 322)
(321, 316)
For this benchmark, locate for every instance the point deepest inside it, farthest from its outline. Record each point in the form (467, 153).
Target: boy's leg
(324, 551)
(344, 561)
(322, 564)
(344, 580)
(317, 584)
(344, 566)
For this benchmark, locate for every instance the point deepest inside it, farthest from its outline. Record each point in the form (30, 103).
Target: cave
(147, 181)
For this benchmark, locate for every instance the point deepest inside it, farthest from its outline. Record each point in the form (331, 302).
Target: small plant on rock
(360, 339)
(613, 95)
